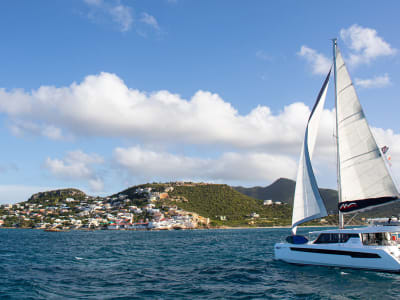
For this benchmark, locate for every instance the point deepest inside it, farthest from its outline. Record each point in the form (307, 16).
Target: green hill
(385, 211)
(224, 205)
(55, 196)
(283, 190)
(131, 191)
(216, 200)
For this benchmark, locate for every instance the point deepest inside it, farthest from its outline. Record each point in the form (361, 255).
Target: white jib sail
(363, 172)
(308, 204)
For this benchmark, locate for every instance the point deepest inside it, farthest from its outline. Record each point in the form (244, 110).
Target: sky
(101, 95)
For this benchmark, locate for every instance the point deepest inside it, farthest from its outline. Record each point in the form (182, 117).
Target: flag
(385, 149)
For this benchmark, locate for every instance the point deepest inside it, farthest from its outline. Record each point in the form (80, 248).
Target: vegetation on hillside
(283, 190)
(219, 201)
(56, 196)
(224, 205)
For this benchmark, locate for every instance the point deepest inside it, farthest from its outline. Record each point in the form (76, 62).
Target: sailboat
(364, 182)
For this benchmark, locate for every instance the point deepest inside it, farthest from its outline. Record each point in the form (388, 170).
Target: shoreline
(211, 228)
(272, 227)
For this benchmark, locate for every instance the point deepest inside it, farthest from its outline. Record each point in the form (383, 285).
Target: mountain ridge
(216, 200)
(282, 190)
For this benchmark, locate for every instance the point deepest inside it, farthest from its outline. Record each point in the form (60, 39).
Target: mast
(341, 220)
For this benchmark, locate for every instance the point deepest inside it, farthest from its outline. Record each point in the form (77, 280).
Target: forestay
(308, 204)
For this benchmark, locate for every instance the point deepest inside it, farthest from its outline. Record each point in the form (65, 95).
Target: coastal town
(154, 206)
(143, 209)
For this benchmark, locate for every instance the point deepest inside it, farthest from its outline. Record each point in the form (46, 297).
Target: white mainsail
(364, 178)
(308, 204)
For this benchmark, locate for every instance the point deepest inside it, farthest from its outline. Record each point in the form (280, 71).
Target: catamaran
(364, 182)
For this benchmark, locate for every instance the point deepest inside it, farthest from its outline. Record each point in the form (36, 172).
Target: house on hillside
(267, 202)
(254, 215)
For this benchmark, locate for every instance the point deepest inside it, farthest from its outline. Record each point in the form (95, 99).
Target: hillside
(389, 210)
(215, 200)
(131, 191)
(55, 196)
(283, 190)
(224, 205)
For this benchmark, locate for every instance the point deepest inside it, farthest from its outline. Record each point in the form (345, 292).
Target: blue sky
(104, 94)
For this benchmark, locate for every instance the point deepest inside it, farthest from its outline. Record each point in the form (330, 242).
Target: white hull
(364, 181)
(352, 254)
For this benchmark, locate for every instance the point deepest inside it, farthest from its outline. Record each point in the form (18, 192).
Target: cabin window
(327, 238)
(379, 239)
(347, 236)
(331, 238)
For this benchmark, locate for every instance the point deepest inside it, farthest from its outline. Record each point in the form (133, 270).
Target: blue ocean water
(200, 264)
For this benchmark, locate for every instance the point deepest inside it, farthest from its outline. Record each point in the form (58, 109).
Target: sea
(193, 264)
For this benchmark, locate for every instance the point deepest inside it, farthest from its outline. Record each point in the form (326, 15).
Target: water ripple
(204, 264)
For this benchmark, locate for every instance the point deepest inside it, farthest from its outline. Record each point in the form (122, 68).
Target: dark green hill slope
(386, 211)
(283, 190)
(131, 191)
(55, 196)
(214, 200)
(280, 190)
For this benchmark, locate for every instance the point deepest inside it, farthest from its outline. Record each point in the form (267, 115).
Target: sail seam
(338, 69)
(352, 115)
(365, 153)
(347, 86)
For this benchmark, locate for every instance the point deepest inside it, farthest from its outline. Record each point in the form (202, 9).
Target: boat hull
(386, 259)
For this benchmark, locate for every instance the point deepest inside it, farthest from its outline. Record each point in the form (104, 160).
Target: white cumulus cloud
(387, 137)
(149, 20)
(228, 167)
(376, 82)
(119, 14)
(319, 63)
(77, 165)
(122, 15)
(96, 185)
(103, 106)
(259, 146)
(365, 43)
(10, 194)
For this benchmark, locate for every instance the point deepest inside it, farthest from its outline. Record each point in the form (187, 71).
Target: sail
(308, 204)
(365, 181)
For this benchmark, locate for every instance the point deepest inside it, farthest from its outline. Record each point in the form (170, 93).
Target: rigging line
(351, 219)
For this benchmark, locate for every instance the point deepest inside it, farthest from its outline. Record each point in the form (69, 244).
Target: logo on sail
(347, 206)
